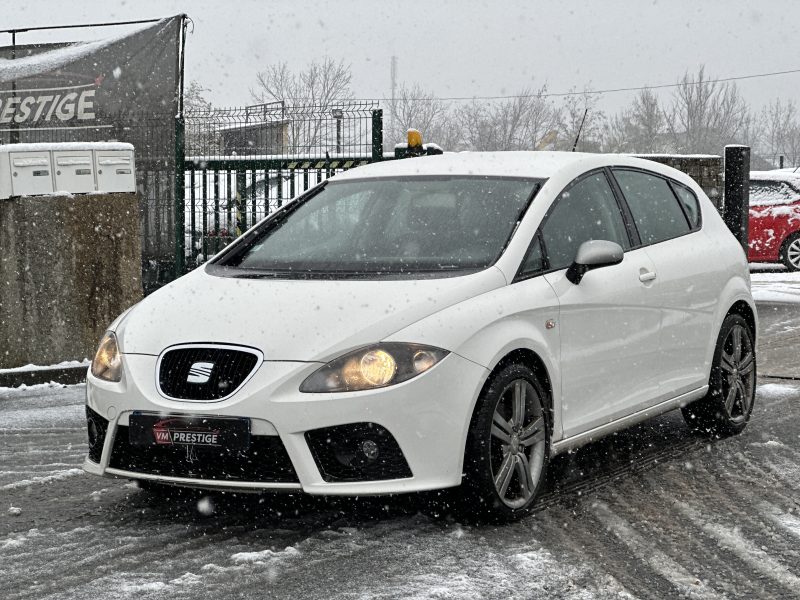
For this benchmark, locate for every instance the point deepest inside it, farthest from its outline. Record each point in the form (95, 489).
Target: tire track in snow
(683, 541)
(749, 553)
(687, 584)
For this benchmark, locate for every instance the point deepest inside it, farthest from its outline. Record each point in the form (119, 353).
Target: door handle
(647, 276)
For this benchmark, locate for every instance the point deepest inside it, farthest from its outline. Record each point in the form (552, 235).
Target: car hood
(292, 320)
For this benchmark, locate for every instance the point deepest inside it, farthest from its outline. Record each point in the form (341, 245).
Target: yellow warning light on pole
(414, 139)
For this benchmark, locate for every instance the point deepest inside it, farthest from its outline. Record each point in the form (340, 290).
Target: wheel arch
(531, 359)
(744, 310)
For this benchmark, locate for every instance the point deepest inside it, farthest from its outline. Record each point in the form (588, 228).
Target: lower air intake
(357, 452)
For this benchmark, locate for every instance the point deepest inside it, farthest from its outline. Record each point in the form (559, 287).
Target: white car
(434, 322)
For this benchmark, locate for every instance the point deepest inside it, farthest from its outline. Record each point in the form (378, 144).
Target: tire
(727, 407)
(506, 460)
(790, 252)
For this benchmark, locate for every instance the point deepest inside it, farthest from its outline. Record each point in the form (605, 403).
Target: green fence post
(377, 135)
(180, 197)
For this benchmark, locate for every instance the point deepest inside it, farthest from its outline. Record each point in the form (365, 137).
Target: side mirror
(594, 254)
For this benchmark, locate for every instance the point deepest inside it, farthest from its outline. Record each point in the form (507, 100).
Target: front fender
(488, 327)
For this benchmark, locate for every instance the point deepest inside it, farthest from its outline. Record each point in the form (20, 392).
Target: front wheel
(726, 409)
(790, 252)
(507, 446)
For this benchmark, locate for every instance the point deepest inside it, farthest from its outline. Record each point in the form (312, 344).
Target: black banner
(91, 84)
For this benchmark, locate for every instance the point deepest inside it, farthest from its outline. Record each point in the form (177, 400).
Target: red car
(775, 218)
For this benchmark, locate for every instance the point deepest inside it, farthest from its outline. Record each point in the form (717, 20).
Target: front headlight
(107, 363)
(373, 367)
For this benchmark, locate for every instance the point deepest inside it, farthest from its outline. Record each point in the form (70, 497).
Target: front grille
(204, 373)
(340, 453)
(97, 427)
(264, 461)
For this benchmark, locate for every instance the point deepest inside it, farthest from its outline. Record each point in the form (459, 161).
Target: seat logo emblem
(200, 372)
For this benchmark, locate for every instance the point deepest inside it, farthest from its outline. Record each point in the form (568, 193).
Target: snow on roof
(668, 155)
(69, 146)
(534, 164)
(777, 175)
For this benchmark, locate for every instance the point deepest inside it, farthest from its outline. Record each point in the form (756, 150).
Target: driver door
(609, 323)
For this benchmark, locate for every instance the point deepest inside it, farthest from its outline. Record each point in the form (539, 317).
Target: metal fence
(242, 164)
(204, 179)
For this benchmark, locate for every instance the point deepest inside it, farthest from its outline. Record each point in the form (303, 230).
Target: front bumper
(427, 416)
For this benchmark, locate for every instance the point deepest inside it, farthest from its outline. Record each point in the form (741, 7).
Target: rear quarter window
(655, 209)
(691, 206)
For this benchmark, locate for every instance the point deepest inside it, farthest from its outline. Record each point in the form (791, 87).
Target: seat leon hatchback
(448, 321)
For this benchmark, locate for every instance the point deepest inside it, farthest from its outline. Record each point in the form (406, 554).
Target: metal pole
(377, 135)
(339, 135)
(737, 192)
(180, 159)
(180, 197)
(14, 134)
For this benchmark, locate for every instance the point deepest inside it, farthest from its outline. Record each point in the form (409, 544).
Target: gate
(242, 164)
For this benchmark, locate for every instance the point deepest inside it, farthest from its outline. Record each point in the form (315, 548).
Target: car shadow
(571, 477)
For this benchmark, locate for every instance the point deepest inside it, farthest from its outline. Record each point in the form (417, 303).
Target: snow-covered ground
(770, 284)
(652, 512)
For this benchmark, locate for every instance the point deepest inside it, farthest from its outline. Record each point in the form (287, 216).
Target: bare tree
(201, 138)
(647, 124)
(706, 115)
(519, 123)
(579, 114)
(414, 108)
(640, 128)
(308, 99)
(194, 97)
(618, 135)
(778, 126)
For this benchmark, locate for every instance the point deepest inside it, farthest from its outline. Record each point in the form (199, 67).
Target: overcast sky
(464, 48)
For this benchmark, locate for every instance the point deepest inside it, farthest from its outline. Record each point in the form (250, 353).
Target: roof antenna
(577, 137)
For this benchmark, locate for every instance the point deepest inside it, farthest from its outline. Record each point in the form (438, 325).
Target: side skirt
(592, 435)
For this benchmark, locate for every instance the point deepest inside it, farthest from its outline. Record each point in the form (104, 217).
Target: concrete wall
(68, 267)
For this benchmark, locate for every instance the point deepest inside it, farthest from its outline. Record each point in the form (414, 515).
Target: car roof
(530, 164)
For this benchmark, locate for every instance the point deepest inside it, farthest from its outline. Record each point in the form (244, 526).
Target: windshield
(389, 226)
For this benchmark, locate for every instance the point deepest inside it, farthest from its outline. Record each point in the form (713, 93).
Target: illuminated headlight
(373, 367)
(107, 363)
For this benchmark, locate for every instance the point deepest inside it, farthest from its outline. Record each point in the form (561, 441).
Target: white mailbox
(115, 170)
(31, 173)
(74, 171)
(71, 167)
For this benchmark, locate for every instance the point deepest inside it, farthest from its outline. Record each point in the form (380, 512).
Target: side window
(654, 207)
(587, 210)
(534, 261)
(690, 204)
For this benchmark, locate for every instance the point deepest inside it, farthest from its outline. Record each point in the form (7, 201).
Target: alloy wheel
(793, 253)
(738, 363)
(517, 443)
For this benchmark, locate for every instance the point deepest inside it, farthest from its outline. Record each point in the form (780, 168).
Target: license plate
(229, 433)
